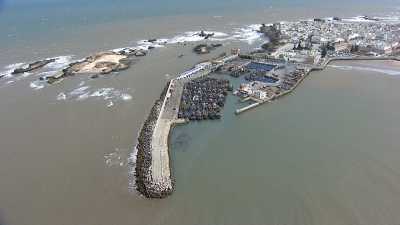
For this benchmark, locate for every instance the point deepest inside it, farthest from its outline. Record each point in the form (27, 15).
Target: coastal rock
(100, 63)
(140, 53)
(205, 35)
(205, 48)
(33, 66)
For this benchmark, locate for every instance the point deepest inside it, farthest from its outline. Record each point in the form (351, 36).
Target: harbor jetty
(153, 173)
(154, 178)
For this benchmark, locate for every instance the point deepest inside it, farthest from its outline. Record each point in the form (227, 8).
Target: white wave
(61, 96)
(60, 63)
(116, 158)
(110, 104)
(194, 36)
(110, 95)
(15, 66)
(102, 92)
(248, 34)
(48, 73)
(116, 50)
(126, 97)
(37, 85)
(26, 74)
(79, 91)
(370, 69)
(7, 72)
(107, 94)
(83, 96)
(132, 170)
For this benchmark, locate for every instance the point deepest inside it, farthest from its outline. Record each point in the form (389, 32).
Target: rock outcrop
(101, 63)
(205, 48)
(33, 66)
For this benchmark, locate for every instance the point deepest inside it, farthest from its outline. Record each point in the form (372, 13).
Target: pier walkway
(160, 166)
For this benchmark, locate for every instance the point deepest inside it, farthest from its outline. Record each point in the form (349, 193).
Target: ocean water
(325, 155)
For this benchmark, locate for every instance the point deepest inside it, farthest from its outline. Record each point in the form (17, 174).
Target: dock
(246, 108)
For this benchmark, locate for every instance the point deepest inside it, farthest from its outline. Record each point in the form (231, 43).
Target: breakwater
(143, 170)
(355, 58)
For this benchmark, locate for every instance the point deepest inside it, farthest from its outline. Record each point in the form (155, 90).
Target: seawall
(144, 161)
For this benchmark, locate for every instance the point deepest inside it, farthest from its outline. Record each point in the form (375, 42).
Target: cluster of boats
(203, 99)
(290, 80)
(260, 77)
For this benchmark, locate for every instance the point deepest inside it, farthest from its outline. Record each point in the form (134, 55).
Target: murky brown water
(328, 154)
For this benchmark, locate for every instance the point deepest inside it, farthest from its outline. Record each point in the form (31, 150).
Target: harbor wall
(143, 171)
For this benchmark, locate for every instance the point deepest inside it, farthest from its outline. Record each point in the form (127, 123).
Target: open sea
(328, 154)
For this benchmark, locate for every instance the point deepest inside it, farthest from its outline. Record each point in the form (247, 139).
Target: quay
(246, 108)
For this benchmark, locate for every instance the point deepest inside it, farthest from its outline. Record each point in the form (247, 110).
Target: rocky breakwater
(94, 65)
(33, 66)
(143, 171)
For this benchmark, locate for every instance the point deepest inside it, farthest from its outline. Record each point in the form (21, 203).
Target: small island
(100, 63)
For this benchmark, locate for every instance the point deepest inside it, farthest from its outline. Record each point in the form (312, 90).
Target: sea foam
(249, 34)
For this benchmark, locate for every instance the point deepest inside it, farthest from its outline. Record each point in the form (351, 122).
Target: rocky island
(100, 63)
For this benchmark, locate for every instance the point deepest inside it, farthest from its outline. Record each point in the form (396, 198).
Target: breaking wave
(109, 95)
(132, 171)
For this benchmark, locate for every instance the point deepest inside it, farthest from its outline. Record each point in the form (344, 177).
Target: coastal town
(293, 51)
